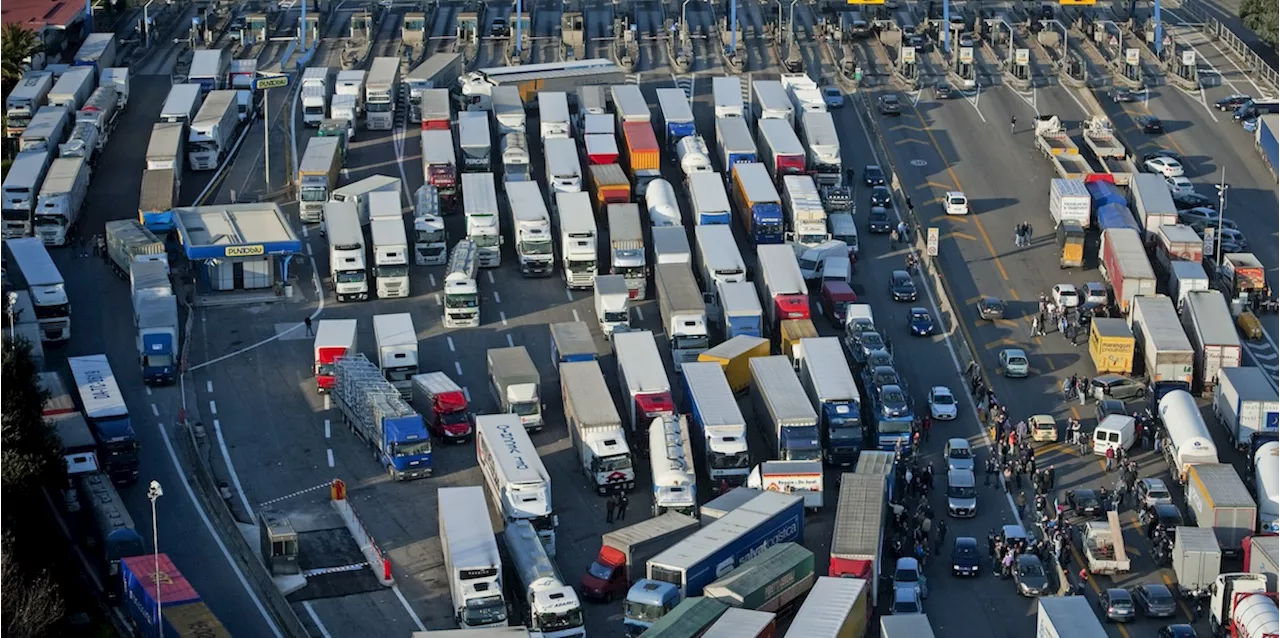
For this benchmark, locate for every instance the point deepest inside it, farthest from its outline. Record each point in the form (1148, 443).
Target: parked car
(889, 105)
(1106, 407)
(964, 556)
(1083, 502)
(1015, 363)
(1095, 292)
(1177, 631)
(1116, 605)
(1232, 102)
(991, 308)
(1155, 600)
(906, 600)
(1199, 216)
(1065, 296)
(1161, 516)
(906, 573)
(1184, 201)
(1151, 124)
(1029, 575)
(1179, 185)
(942, 404)
(1116, 386)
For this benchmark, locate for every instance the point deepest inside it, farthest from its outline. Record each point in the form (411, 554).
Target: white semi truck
(675, 485)
(22, 187)
(515, 384)
(397, 343)
(24, 100)
(347, 266)
(61, 197)
(461, 293)
(213, 131)
(315, 95)
(471, 558)
(578, 239)
(39, 276)
(595, 428)
(549, 606)
(390, 257)
(532, 228)
(430, 239)
(518, 484)
(480, 206)
(382, 93)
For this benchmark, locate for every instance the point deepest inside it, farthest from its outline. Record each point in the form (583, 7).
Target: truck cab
(613, 303)
(647, 601)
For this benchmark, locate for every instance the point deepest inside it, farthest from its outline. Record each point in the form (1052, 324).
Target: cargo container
(1064, 617)
(601, 148)
(783, 290)
(773, 580)
(743, 623)
(571, 342)
(818, 132)
(1186, 277)
(718, 417)
(475, 142)
(645, 386)
(624, 553)
(1260, 554)
(671, 246)
(708, 199)
(1124, 266)
(1245, 403)
(677, 116)
(689, 619)
(828, 381)
(1152, 202)
(780, 149)
(740, 311)
(1218, 499)
(734, 357)
(790, 334)
(595, 428)
(1111, 345)
(1197, 560)
(609, 185)
(153, 583)
(783, 413)
(1213, 335)
(684, 314)
(1069, 201)
(1174, 243)
(858, 532)
(720, 506)
(770, 101)
(1166, 352)
(642, 154)
(835, 608)
(733, 144)
(759, 206)
(727, 94)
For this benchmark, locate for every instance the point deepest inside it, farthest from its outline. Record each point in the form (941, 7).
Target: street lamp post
(1222, 209)
(684, 15)
(791, 22)
(154, 492)
(146, 23)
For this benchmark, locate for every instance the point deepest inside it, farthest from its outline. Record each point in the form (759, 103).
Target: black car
(942, 91)
(1187, 201)
(880, 196)
(1232, 102)
(889, 105)
(901, 286)
(1155, 600)
(1177, 631)
(1107, 407)
(1121, 95)
(1151, 124)
(964, 557)
(1030, 576)
(991, 308)
(1086, 503)
(878, 220)
(873, 175)
(1161, 516)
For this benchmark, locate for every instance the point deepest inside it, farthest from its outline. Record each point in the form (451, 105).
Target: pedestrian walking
(926, 424)
(1013, 124)
(610, 506)
(941, 538)
(622, 505)
(1111, 458)
(307, 322)
(1026, 233)
(1008, 479)
(911, 208)
(1021, 501)
(990, 469)
(1080, 390)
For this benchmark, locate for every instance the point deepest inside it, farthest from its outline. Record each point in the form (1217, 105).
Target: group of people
(1022, 234)
(1066, 320)
(913, 531)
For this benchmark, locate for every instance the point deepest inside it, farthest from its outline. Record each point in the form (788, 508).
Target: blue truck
(677, 117)
(571, 342)
(155, 314)
(787, 420)
(374, 410)
(684, 569)
(758, 202)
(1265, 139)
(827, 379)
(734, 144)
(103, 405)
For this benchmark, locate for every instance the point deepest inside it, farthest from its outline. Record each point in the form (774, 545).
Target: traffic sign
(270, 82)
(931, 248)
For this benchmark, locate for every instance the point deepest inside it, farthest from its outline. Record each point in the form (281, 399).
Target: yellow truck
(791, 331)
(1111, 345)
(734, 356)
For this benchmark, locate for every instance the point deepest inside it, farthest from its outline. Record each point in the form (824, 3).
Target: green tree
(1263, 18)
(30, 451)
(17, 43)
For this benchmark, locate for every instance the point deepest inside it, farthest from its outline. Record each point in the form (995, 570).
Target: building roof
(208, 231)
(37, 14)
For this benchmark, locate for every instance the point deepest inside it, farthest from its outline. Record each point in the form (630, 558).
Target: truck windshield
(629, 272)
(377, 107)
(574, 265)
(413, 448)
(403, 373)
(644, 612)
(812, 240)
(391, 271)
(157, 361)
(525, 409)
(895, 427)
(429, 236)
(617, 316)
(844, 431)
(484, 611)
(465, 300)
(564, 620)
(206, 146)
(56, 311)
(18, 119)
(484, 241)
(734, 461)
(50, 221)
(350, 276)
(616, 463)
(600, 571)
(535, 247)
(769, 228)
(313, 110)
(455, 418)
(694, 342)
(313, 194)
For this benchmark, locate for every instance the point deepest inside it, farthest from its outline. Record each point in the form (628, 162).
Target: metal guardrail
(1215, 29)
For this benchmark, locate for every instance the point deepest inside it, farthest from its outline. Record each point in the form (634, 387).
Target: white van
(1115, 431)
(836, 268)
(957, 203)
(813, 260)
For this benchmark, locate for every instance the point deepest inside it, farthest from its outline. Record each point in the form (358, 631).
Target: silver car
(1152, 491)
(962, 494)
(959, 454)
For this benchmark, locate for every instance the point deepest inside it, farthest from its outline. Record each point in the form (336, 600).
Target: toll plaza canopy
(239, 244)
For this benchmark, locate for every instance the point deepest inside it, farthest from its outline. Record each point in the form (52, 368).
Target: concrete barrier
(378, 562)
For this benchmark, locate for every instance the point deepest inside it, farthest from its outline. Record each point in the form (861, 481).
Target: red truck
(601, 149)
(625, 552)
(443, 405)
(334, 338)
(858, 533)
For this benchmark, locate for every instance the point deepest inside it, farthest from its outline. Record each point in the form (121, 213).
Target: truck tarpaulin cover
(1116, 216)
(141, 585)
(1104, 193)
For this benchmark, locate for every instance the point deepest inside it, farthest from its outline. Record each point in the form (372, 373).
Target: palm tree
(17, 43)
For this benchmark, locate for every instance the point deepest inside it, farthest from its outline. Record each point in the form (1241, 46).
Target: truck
(1264, 139)
(376, 412)
(578, 239)
(472, 561)
(35, 273)
(642, 155)
(430, 239)
(784, 415)
(397, 344)
(159, 195)
(1111, 345)
(1051, 137)
(774, 580)
(727, 96)
(1173, 243)
(782, 287)
(104, 407)
(514, 382)
(443, 405)
(601, 148)
(83, 142)
(1100, 137)
(508, 110)
(240, 77)
(592, 106)
(858, 533)
(609, 185)
(689, 566)
(438, 72)
(1159, 337)
(1186, 277)
(708, 199)
(21, 188)
(347, 267)
(691, 617)
(677, 117)
(514, 476)
(358, 192)
(1217, 499)
(382, 91)
(461, 291)
(818, 132)
(515, 158)
(1241, 276)
(46, 130)
(79, 448)
(803, 92)
(629, 104)
(551, 76)
(532, 224)
(684, 315)
(318, 176)
(390, 256)
(734, 356)
(1187, 441)
(344, 109)
(548, 605)
(733, 144)
(724, 430)
(624, 553)
(72, 90)
(209, 68)
(155, 316)
(1125, 267)
(1213, 335)
(24, 99)
(101, 110)
(1245, 404)
(759, 206)
(769, 101)
(335, 338)
(181, 104)
(212, 132)
(1103, 546)
(1063, 617)
(315, 94)
(1197, 560)
(671, 245)
(836, 608)
(613, 304)
(1152, 203)
(439, 165)
(780, 149)
(474, 141)
(694, 155)
(480, 208)
(1069, 200)
(553, 116)
(181, 610)
(644, 382)
(808, 216)
(61, 197)
(660, 199)
(739, 309)
(595, 428)
(1260, 554)
(351, 82)
(626, 247)
(828, 381)
(675, 486)
(571, 342)
(1241, 606)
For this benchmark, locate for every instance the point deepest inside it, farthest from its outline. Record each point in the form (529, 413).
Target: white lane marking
(503, 316)
(432, 279)
(148, 389)
(1083, 109)
(490, 274)
(154, 410)
(213, 407)
(304, 232)
(1205, 103)
(568, 293)
(328, 402)
(458, 368)
(235, 477)
(327, 430)
(511, 343)
(208, 525)
(436, 298)
(639, 313)
(396, 589)
(329, 453)
(208, 385)
(306, 604)
(309, 250)
(451, 348)
(496, 297)
(575, 315)
(466, 392)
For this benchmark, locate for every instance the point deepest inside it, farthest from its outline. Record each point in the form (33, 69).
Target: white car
(957, 203)
(1179, 185)
(942, 404)
(1095, 293)
(1166, 166)
(1065, 296)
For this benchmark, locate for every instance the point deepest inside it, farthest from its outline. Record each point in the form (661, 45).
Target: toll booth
(361, 25)
(239, 252)
(313, 27)
(572, 28)
(413, 29)
(255, 26)
(468, 24)
(962, 62)
(279, 543)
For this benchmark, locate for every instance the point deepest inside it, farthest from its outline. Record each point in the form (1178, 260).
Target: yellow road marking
(909, 140)
(1092, 580)
(1013, 293)
(963, 236)
(937, 185)
(1168, 582)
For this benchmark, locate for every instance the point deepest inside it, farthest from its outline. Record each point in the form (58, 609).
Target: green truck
(773, 580)
(689, 619)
